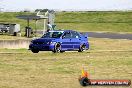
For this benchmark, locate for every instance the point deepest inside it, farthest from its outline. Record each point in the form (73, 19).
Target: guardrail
(15, 44)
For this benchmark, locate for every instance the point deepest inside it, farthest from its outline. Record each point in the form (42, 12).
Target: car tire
(6, 31)
(35, 51)
(57, 48)
(82, 48)
(62, 51)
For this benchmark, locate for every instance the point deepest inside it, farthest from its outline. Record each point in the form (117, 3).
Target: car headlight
(52, 42)
(31, 42)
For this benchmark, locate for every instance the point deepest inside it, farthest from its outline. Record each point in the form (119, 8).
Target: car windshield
(53, 34)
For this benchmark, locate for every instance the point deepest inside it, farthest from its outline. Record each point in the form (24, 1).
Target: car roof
(60, 30)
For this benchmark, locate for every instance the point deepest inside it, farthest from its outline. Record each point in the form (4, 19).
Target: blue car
(60, 41)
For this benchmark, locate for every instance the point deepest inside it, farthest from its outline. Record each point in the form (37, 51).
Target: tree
(41, 10)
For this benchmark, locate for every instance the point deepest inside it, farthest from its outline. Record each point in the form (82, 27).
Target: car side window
(67, 35)
(75, 34)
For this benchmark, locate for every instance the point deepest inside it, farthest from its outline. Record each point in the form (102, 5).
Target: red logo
(85, 81)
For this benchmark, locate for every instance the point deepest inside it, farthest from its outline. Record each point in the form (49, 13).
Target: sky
(66, 4)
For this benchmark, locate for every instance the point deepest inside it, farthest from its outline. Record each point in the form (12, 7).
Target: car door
(75, 40)
(66, 41)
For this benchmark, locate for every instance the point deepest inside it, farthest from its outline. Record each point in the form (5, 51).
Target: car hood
(42, 40)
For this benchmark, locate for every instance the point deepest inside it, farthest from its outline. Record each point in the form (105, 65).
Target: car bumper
(87, 45)
(41, 47)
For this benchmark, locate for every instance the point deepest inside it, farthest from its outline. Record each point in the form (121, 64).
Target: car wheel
(35, 51)
(57, 48)
(62, 51)
(82, 48)
(6, 31)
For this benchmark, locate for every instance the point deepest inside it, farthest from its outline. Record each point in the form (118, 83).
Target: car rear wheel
(57, 48)
(35, 51)
(82, 48)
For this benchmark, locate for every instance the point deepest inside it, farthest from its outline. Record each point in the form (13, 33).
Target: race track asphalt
(110, 35)
(105, 35)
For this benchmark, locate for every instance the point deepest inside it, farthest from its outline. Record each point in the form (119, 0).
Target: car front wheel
(35, 51)
(57, 48)
(82, 48)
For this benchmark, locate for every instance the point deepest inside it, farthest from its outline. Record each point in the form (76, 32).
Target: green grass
(116, 21)
(97, 27)
(94, 17)
(106, 59)
(95, 21)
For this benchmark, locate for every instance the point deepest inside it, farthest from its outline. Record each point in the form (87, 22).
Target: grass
(116, 21)
(97, 27)
(8, 37)
(94, 17)
(95, 21)
(106, 59)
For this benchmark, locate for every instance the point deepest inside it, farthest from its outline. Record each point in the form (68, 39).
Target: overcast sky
(67, 4)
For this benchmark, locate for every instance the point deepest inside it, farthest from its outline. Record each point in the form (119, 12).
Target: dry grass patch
(23, 69)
